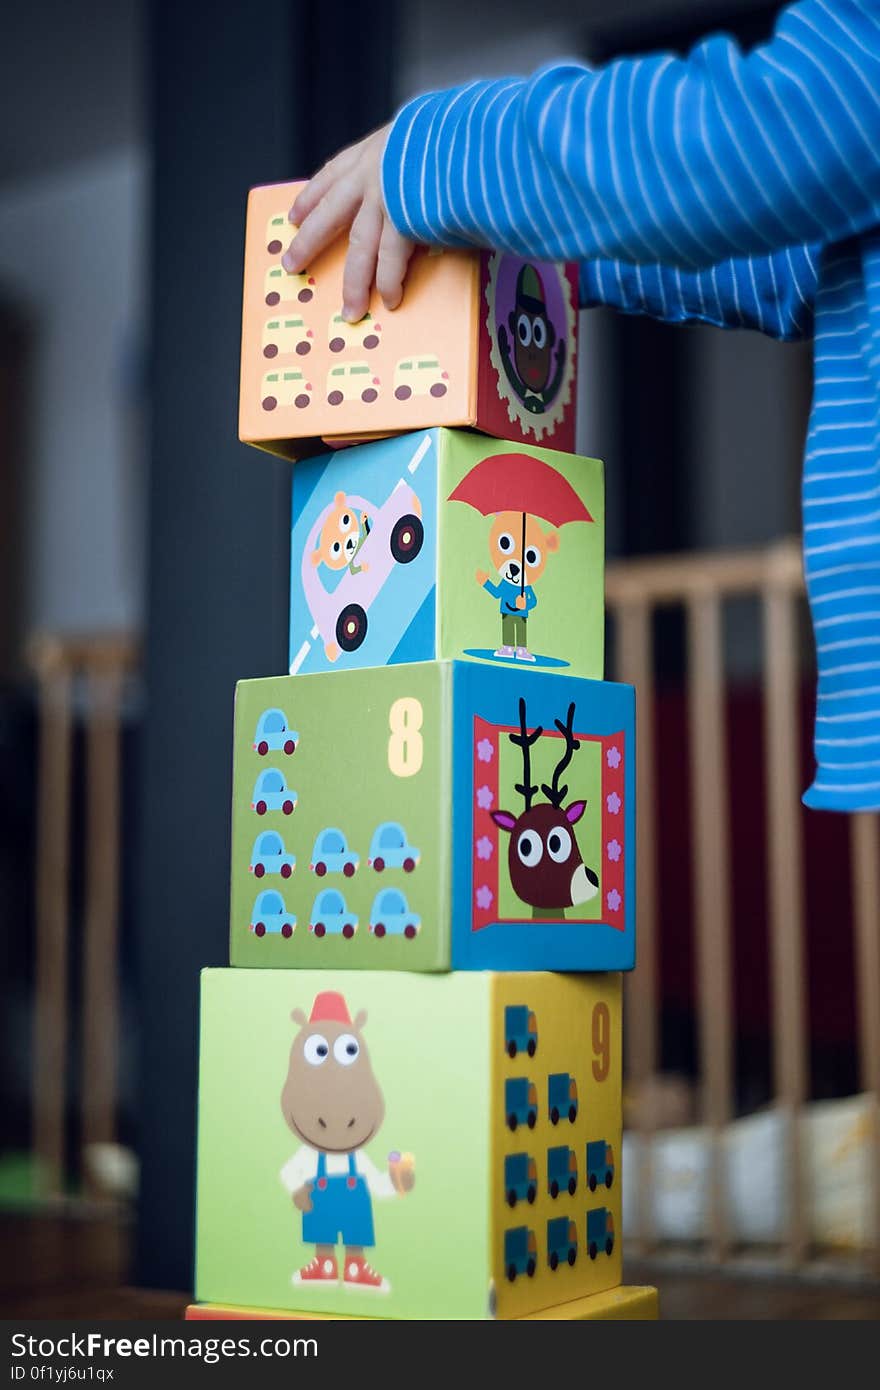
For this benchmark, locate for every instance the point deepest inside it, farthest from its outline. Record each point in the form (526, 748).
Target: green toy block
(435, 816)
(444, 543)
(358, 1131)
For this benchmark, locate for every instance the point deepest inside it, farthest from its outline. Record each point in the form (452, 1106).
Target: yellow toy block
(480, 339)
(629, 1303)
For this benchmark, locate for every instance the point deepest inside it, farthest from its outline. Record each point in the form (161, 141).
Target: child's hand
(520, 600)
(346, 195)
(482, 576)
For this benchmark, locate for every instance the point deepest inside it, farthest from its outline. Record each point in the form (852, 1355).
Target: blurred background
(143, 564)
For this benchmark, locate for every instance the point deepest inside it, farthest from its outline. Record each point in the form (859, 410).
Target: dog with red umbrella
(519, 492)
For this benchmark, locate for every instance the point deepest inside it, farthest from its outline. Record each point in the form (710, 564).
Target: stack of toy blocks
(410, 1098)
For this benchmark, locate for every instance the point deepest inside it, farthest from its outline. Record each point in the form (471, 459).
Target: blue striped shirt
(738, 189)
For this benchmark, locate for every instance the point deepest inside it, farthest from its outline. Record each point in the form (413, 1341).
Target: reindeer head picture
(546, 868)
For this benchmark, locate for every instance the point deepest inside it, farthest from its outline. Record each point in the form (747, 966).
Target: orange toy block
(481, 339)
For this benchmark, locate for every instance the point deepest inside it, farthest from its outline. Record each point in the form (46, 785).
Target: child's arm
(773, 294)
(654, 161)
(657, 160)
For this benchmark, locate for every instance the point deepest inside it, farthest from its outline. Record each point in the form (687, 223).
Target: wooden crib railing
(700, 584)
(79, 680)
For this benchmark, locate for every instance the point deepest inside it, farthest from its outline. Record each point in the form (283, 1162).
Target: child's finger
(310, 196)
(360, 263)
(332, 215)
(319, 184)
(394, 255)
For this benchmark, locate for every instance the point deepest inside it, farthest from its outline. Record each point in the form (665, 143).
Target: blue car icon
(330, 915)
(269, 856)
(270, 916)
(271, 793)
(332, 855)
(389, 849)
(273, 733)
(390, 915)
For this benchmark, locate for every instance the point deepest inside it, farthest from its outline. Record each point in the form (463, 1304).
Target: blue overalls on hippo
(332, 1101)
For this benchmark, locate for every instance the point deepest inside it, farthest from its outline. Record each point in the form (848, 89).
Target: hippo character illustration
(333, 1103)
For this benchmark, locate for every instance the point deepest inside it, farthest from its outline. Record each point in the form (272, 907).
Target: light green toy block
(379, 820)
(381, 1144)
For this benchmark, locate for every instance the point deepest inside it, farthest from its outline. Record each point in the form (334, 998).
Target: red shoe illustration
(358, 1274)
(320, 1270)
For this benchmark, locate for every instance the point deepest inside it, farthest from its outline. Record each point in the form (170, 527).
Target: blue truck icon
(520, 1179)
(562, 1241)
(520, 1030)
(520, 1252)
(562, 1096)
(562, 1171)
(600, 1231)
(600, 1164)
(520, 1102)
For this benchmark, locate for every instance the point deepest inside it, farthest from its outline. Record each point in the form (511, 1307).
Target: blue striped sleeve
(656, 160)
(773, 294)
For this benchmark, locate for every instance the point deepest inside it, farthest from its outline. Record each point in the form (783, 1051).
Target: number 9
(601, 1042)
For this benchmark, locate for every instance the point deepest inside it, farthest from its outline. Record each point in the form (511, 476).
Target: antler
(524, 740)
(556, 794)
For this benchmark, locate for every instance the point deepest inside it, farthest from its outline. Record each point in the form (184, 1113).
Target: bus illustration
(520, 1252)
(520, 1030)
(520, 1179)
(282, 336)
(600, 1164)
(419, 376)
(520, 1102)
(352, 381)
(342, 335)
(278, 233)
(285, 387)
(281, 287)
(562, 1241)
(600, 1231)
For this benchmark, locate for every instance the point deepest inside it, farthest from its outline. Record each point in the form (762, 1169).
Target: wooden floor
(76, 1267)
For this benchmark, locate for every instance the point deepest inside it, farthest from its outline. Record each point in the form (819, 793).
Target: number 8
(405, 746)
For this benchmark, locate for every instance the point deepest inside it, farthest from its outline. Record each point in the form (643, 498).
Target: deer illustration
(545, 864)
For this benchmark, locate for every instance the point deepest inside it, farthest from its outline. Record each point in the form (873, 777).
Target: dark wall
(238, 96)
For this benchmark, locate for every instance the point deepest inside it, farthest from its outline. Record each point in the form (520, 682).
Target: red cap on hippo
(329, 1007)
